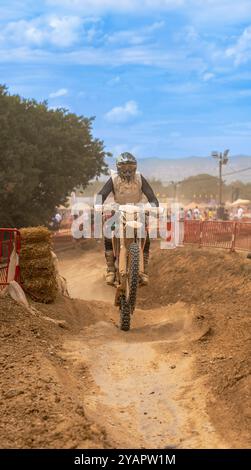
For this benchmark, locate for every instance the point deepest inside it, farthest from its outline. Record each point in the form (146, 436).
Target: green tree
(238, 189)
(201, 187)
(44, 155)
(159, 187)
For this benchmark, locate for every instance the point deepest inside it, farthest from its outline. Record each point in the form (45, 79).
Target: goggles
(127, 168)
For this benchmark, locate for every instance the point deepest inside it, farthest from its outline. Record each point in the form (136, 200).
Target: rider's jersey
(128, 192)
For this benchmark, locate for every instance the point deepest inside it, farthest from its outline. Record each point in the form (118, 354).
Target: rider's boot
(144, 279)
(110, 272)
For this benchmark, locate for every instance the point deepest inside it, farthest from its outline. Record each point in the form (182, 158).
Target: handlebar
(130, 208)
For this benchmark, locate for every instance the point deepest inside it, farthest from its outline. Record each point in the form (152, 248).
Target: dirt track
(180, 377)
(145, 380)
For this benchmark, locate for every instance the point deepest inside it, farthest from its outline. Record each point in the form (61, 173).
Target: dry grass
(38, 275)
(34, 251)
(35, 234)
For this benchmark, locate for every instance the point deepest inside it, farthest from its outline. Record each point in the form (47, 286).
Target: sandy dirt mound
(198, 303)
(180, 377)
(41, 400)
(197, 275)
(218, 283)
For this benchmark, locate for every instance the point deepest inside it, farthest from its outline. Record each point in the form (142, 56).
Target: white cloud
(114, 81)
(238, 125)
(245, 93)
(91, 34)
(119, 148)
(134, 37)
(74, 35)
(134, 55)
(208, 76)
(191, 33)
(218, 12)
(237, 129)
(124, 113)
(241, 51)
(186, 35)
(60, 31)
(155, 26)
(61, 92)
(201, 11)
(55, 107)
(87, 6)
(181, 88)
(64, 31)
(128, 37)
(174, 134)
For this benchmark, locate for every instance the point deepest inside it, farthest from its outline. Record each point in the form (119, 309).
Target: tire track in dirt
(143, 389)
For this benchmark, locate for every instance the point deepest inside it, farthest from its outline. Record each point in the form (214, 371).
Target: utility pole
(222, 159)
(175, 191)
(220, 177)
(175, 187)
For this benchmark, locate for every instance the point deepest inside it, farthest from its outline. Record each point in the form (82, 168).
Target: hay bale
(61, 281)
(31, 251)
(37, 272)
(42, 290)
(45, 262)
(35, 234)
(38, 275)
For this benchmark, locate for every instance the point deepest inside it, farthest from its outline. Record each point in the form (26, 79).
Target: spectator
(56, 221)
(182, 214)
(239, 212)
(196, 213)
(220, 212)
(58, 217)
(189, 214)
(226, 214)
(210, 213)
(205, 215)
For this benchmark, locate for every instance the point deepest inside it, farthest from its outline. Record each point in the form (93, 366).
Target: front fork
(120, 252)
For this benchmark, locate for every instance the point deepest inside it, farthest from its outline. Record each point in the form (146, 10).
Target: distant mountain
(177, 169)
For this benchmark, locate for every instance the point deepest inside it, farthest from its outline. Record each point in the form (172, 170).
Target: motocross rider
(127, 186)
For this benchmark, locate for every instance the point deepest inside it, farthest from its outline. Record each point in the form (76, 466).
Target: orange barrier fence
(230, 234)
(192, 231)
(10, 243)
(243, 236)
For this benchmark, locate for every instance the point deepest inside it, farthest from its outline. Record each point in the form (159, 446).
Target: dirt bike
(129, 262)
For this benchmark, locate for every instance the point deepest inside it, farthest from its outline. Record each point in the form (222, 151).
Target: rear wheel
(125, 314)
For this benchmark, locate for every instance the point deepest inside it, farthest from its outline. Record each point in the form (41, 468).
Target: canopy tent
(241, 202)
(193, 204)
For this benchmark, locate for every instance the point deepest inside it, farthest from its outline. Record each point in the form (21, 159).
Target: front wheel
(133, 274)
(125, 313)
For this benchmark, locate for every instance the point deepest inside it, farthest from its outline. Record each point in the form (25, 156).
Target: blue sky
(164, 78)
